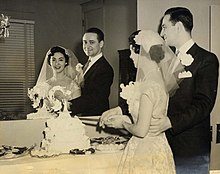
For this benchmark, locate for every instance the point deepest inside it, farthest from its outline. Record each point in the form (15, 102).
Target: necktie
(86, 65)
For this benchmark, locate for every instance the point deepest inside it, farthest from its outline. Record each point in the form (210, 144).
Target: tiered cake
(64, 133)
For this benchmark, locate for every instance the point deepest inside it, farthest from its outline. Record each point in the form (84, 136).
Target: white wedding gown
(148, 155)
(70, 86)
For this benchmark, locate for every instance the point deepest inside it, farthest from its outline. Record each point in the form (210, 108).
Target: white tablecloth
(98, 163)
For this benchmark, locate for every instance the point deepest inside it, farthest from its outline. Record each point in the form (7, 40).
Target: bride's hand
(117, 121)
(107, 114)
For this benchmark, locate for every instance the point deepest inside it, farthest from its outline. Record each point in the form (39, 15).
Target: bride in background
(60, 73)
(147, 98)
(59, 69)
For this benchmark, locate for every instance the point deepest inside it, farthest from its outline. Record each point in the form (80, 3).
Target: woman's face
(57, 62)
(134, 56)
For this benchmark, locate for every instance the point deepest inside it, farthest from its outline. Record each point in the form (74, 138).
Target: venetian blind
(17, 69)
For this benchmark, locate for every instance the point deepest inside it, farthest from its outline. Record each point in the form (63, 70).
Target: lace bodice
(150, 154)
(157, 95)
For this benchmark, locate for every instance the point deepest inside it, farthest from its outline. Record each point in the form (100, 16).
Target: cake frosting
(64, 133)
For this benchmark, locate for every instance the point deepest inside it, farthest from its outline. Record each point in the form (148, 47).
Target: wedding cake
(64, 133)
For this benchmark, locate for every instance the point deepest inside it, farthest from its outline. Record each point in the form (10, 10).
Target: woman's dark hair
(181, 14)
(132, 42)
(157, 53)
(57, 49)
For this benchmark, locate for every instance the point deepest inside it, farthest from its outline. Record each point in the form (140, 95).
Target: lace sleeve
(159, 98)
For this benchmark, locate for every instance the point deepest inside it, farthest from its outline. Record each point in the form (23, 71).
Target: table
(97, 163)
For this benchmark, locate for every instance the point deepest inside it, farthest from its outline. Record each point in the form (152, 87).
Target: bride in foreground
(147, 98)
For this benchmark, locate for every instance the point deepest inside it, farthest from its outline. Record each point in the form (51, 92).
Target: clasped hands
(114, 118)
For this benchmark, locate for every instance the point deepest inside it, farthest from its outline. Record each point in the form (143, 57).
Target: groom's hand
(159, 125)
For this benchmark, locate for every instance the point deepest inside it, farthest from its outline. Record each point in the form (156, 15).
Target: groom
(98, 77)
(188, 121)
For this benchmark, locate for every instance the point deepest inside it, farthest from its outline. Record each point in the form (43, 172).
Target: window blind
(17, 68)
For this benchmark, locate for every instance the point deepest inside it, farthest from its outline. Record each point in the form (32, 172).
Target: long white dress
(148, 155)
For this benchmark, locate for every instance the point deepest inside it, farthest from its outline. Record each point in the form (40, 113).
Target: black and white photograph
(109, 87)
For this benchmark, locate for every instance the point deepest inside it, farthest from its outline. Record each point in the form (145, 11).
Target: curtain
(17, 67)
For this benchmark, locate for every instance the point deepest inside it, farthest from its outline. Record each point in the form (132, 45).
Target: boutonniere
(185, 59)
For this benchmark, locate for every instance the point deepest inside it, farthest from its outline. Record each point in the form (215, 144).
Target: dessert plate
(13, 152)
(110, 148)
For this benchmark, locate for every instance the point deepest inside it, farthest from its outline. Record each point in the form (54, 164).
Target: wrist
(119, 111)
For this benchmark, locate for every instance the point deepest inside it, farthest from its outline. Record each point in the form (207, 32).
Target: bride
(147, 98)
(58, 74)
(63, 63)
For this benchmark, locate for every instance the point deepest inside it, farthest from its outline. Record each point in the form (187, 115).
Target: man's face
(91, 45)
(168, 31)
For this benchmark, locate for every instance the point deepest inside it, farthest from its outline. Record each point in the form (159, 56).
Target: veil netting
(46, 70)
(155, 55)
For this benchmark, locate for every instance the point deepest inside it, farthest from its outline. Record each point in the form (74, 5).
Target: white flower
(79, 67)
(37, 93)
(185, 59)
(79, 76)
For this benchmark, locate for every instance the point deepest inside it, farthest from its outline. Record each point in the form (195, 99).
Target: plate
(109, 140)
(13, 152)
(110, 148)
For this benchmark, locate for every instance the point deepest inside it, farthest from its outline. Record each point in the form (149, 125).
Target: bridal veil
(46, 70)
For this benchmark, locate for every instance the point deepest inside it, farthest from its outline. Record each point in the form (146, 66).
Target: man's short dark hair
(181, 14)
(99, 33)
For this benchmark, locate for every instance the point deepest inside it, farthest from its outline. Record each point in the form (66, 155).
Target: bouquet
(47, 100)
(38, 93)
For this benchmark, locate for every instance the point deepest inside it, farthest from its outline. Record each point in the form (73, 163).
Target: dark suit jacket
(189, 109)
(95, 92)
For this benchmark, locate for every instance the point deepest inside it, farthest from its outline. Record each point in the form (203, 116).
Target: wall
(56, 22)
(154, 9)
(120, 22)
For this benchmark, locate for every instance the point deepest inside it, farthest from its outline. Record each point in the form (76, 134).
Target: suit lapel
(193, 52)
(93, 67)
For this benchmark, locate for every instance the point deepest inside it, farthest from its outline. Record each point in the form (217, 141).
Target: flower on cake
(43, 96)
(38, 93)
(54, 94)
